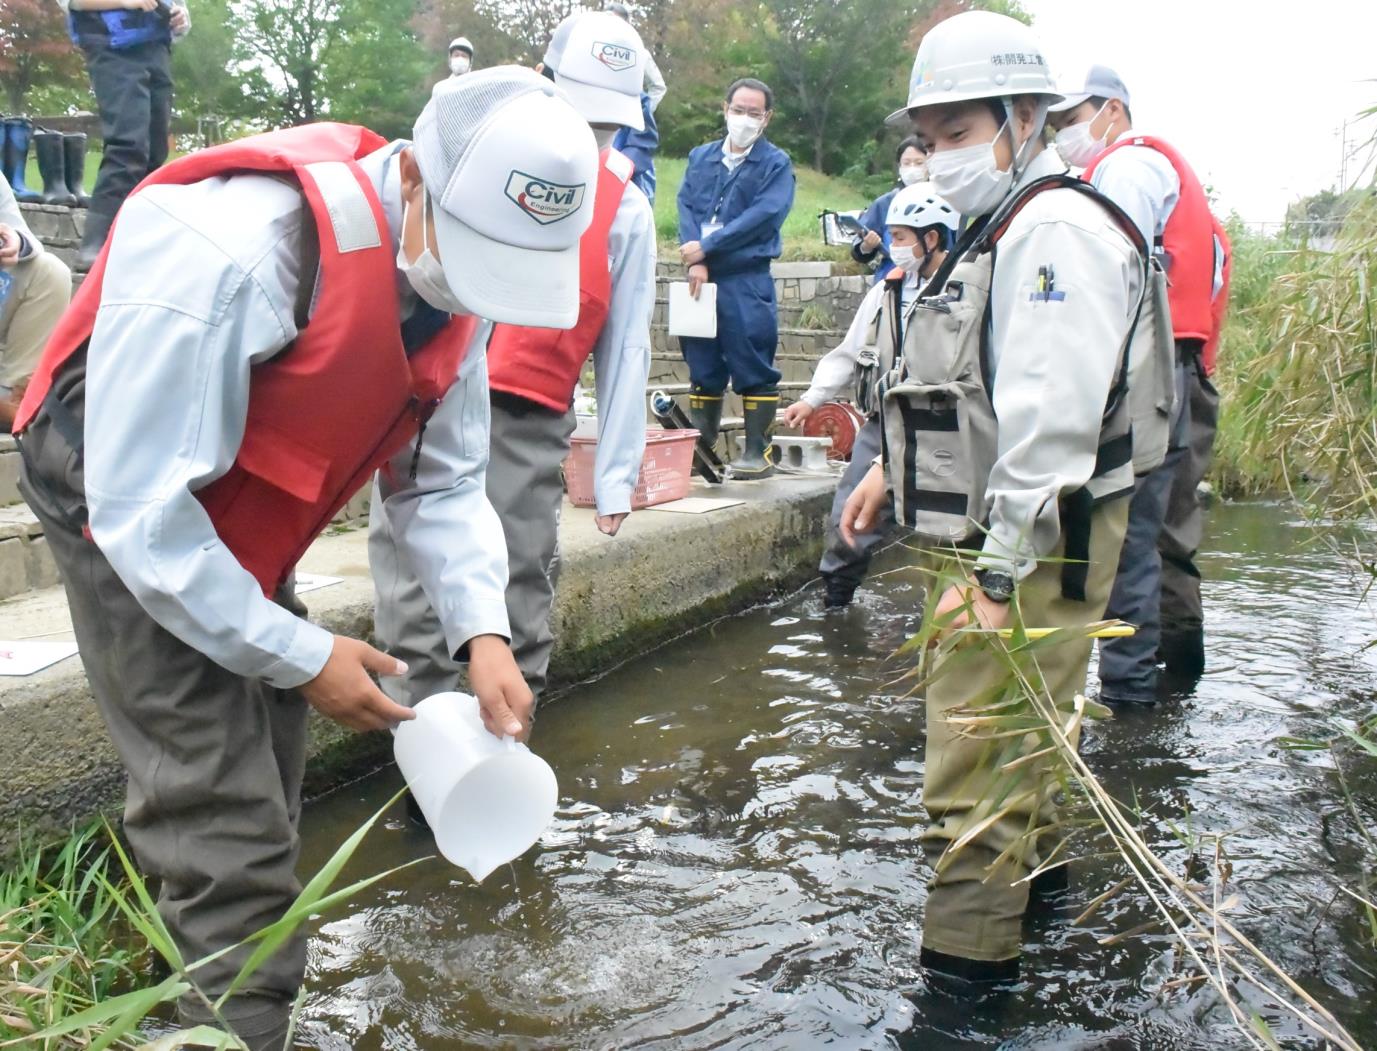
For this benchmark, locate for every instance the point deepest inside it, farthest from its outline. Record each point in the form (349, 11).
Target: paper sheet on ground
(689, 316)
(696, 505)
(25, 657)
(313, 582)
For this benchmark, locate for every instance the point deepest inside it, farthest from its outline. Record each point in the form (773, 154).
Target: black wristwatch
(998, 587)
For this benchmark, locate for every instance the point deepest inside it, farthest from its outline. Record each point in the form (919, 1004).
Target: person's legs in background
(41, 290)
(1182, 647)
(1128, 667)
(528, 444)
(748, 331)
(843, 567)
(122, 80)
(708, 378)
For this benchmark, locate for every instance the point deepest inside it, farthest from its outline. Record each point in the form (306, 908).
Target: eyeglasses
(754, 114)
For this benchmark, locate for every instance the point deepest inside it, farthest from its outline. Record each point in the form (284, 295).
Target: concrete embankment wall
(618, 597)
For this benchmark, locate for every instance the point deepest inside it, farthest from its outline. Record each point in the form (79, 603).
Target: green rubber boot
(757, 460)
(705, 412)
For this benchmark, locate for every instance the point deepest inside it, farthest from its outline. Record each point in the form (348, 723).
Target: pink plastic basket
(665, 469)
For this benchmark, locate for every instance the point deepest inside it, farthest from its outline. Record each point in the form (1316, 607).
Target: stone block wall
(59, 228)
(816, 306)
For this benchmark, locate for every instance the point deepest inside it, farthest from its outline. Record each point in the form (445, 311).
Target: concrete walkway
(664, 574)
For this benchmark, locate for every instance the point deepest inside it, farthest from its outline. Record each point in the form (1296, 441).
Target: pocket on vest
(271, 455)
(941, 448)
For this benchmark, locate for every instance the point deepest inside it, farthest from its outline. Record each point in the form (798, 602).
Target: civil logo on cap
(614, 56)
(544, 201)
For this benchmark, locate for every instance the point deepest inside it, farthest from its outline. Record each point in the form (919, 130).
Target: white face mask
(460, 64)
(426, 275)
(912, 173)
(969, 178)
(743, 130)
(905, 259)
(1076, 146)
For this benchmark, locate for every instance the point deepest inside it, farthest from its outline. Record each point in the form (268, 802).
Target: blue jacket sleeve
(766, 214)
(639, 147)
(690, 223)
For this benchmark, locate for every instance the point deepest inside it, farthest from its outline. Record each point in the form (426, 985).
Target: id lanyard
(712, 225)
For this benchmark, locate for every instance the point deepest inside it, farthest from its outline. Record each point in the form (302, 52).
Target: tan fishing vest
(933, 382)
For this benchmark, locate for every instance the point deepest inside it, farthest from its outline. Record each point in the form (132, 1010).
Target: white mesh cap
(599, 62)
(511, 169)
(1096, 81)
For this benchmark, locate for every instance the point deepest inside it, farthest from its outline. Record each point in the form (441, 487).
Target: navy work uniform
(734, 206)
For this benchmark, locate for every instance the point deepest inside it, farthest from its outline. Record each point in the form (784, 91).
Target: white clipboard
(692, 317)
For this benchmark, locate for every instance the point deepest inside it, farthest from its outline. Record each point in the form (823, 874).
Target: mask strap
(1020, 161)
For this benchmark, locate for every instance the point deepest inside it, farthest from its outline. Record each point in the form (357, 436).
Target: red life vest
(333, 407)
(543, 364)
(1188, 242)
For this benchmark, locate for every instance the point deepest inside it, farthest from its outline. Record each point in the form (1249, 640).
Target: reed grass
(1032, 744)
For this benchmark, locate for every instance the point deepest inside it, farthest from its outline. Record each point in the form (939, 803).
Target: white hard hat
(510, 168)
(919, 206)
(977, 55)
(599, 62)
(462, 43)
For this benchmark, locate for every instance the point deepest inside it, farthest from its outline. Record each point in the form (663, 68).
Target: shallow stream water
(735, 861)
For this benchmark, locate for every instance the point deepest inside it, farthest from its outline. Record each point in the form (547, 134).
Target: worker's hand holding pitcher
(504, 700)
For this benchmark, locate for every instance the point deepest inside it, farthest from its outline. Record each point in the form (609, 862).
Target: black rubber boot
(1183, 653)
(93, 240)
(705, 412)
(838, 591)
(74, 162)
(413, 810)
(18, 132)
(51, 165)
(1050, 883)
(756, 460)
(956, 972)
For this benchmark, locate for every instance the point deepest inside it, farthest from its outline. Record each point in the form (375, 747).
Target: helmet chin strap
(1021, 153)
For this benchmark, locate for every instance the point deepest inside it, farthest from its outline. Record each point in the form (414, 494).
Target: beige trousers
(975, 908)
(41, 291)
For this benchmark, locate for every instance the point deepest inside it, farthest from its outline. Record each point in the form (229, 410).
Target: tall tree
(208, 68)
(838, 67)
(374, 71)
(285, 41)
(528, 22)
(35, 51)
(440, 21)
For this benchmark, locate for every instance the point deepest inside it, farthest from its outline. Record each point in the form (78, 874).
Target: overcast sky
(1253, 92)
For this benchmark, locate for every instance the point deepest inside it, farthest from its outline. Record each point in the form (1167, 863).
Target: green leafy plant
(66, 1001)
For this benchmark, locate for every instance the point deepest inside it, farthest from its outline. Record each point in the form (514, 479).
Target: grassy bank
(1298, 368)
(802, 231)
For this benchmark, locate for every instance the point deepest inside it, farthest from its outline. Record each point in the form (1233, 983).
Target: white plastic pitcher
(487, 800)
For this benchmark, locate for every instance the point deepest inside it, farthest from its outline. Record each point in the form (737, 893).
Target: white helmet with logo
(977, 55)
(919, 206)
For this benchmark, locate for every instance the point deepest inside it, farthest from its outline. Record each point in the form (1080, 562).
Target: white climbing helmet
(919, 206)
(977, 55)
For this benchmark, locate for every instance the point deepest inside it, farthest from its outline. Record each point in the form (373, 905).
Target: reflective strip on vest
(334, 406)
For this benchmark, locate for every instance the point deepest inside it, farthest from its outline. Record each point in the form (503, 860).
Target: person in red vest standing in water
(1158, 585)
(597, 62)
(271, 322)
